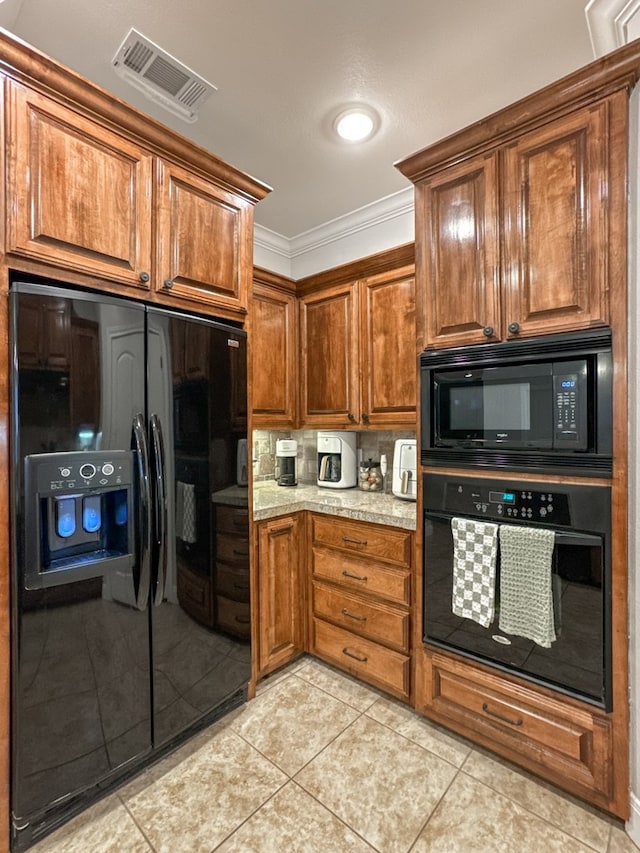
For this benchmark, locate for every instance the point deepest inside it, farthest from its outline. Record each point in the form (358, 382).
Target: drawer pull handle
(504, 719)
(355, 577)
(362, 659)
(354, 541)
(345, 612)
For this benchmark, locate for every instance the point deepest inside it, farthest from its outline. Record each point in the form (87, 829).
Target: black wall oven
(492, 530)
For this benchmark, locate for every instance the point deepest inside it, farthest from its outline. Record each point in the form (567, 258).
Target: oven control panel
(507, 502)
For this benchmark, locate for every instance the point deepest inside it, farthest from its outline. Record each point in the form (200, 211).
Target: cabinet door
(329, 335)
(457, 254)
(204, 241)
(81, 195)
(281, 634)
(388, 356)
(274, 366)
(30, 331)
(555, 201)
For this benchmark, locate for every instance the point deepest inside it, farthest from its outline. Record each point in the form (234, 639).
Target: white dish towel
(526, 595)
(186, 512)
(475, 544)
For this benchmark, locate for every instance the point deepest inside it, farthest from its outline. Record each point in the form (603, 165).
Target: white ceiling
(283, 68)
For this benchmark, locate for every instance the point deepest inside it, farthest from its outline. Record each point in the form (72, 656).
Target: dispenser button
(87, 470)
(65, 517)
(107, 469)
(91, 514)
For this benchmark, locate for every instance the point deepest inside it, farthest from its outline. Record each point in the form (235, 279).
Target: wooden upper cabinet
(79, 195)
(555, 183)
(513, 241)
(456, 215)
(204, 245)
(388, 355)
(329, 362)
(274, 356)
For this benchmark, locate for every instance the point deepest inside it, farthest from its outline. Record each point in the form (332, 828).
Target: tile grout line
(137, 825)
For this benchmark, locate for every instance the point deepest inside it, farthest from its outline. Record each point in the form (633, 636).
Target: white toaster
(404, 483)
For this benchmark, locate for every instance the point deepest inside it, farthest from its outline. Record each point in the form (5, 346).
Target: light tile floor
(320, 762)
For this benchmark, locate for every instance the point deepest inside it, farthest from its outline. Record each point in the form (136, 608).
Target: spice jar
(370, 476)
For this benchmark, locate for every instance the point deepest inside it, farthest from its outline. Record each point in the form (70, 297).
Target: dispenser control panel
(70, 472)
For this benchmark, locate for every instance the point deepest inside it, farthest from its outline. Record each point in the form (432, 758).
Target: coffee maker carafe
(337, 459)
(286, 452)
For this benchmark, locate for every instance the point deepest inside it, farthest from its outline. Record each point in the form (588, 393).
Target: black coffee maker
(286, 452)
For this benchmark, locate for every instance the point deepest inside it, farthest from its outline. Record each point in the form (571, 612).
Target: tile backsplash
(372, 443)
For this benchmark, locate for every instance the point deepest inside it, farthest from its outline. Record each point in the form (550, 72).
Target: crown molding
(377, 226)
(609, 22)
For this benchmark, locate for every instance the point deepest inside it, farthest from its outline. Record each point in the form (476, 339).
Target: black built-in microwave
(542, 404)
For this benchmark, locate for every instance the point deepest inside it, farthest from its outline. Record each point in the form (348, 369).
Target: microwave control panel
(570, 404)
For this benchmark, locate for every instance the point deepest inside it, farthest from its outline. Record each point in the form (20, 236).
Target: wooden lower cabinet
(280, 592)
(361, 593)
(562, 740)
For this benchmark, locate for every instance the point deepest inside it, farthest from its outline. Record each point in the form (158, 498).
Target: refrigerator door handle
(161, 511)
(144, 510)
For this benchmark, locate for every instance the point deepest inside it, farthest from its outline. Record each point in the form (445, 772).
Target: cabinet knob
(365, 417)
(487, 331)
(168, 283)
(144, 276)
(351, 417)
(514, 328)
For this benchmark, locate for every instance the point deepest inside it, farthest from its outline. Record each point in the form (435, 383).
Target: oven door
(576, 661)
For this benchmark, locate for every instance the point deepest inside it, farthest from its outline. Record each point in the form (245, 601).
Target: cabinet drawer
(371, 619)
(233, 616)
(232, 519)
(372, 540)
(232, 549)
(571, 741)
(232, 581)
(363, 658)
(353, 574)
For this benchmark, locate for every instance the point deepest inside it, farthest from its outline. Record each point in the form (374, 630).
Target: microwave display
(535, 404)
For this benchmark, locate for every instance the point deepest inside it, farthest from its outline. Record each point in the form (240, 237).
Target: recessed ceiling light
(356, 124)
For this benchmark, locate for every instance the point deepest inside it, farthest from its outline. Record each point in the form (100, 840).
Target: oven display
(502, 497)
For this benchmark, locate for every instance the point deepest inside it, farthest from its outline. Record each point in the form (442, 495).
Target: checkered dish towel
(526, 596)
(475, 544)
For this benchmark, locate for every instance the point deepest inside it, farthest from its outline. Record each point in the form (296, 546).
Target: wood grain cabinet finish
(329, 333)
(361, 595)
(231, 583)
(388, 361)
(87, 199)
(79, 194)
(204, 241)
(280, 592)
(512, 241)
(273, 347)
(359, 353)
(572, 743)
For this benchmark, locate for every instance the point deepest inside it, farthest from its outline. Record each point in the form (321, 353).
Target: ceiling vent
(161, 77)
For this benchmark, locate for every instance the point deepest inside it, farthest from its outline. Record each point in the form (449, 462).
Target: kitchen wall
(372, 443)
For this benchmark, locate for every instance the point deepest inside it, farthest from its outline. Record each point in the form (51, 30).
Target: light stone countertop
(270, 500)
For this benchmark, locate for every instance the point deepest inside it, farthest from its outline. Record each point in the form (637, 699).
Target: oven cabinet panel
(361, 595)
(568, 744)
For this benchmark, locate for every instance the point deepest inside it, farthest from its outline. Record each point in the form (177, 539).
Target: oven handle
(563, 537)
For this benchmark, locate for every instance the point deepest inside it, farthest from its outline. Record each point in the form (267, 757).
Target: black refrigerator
(127, 426)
